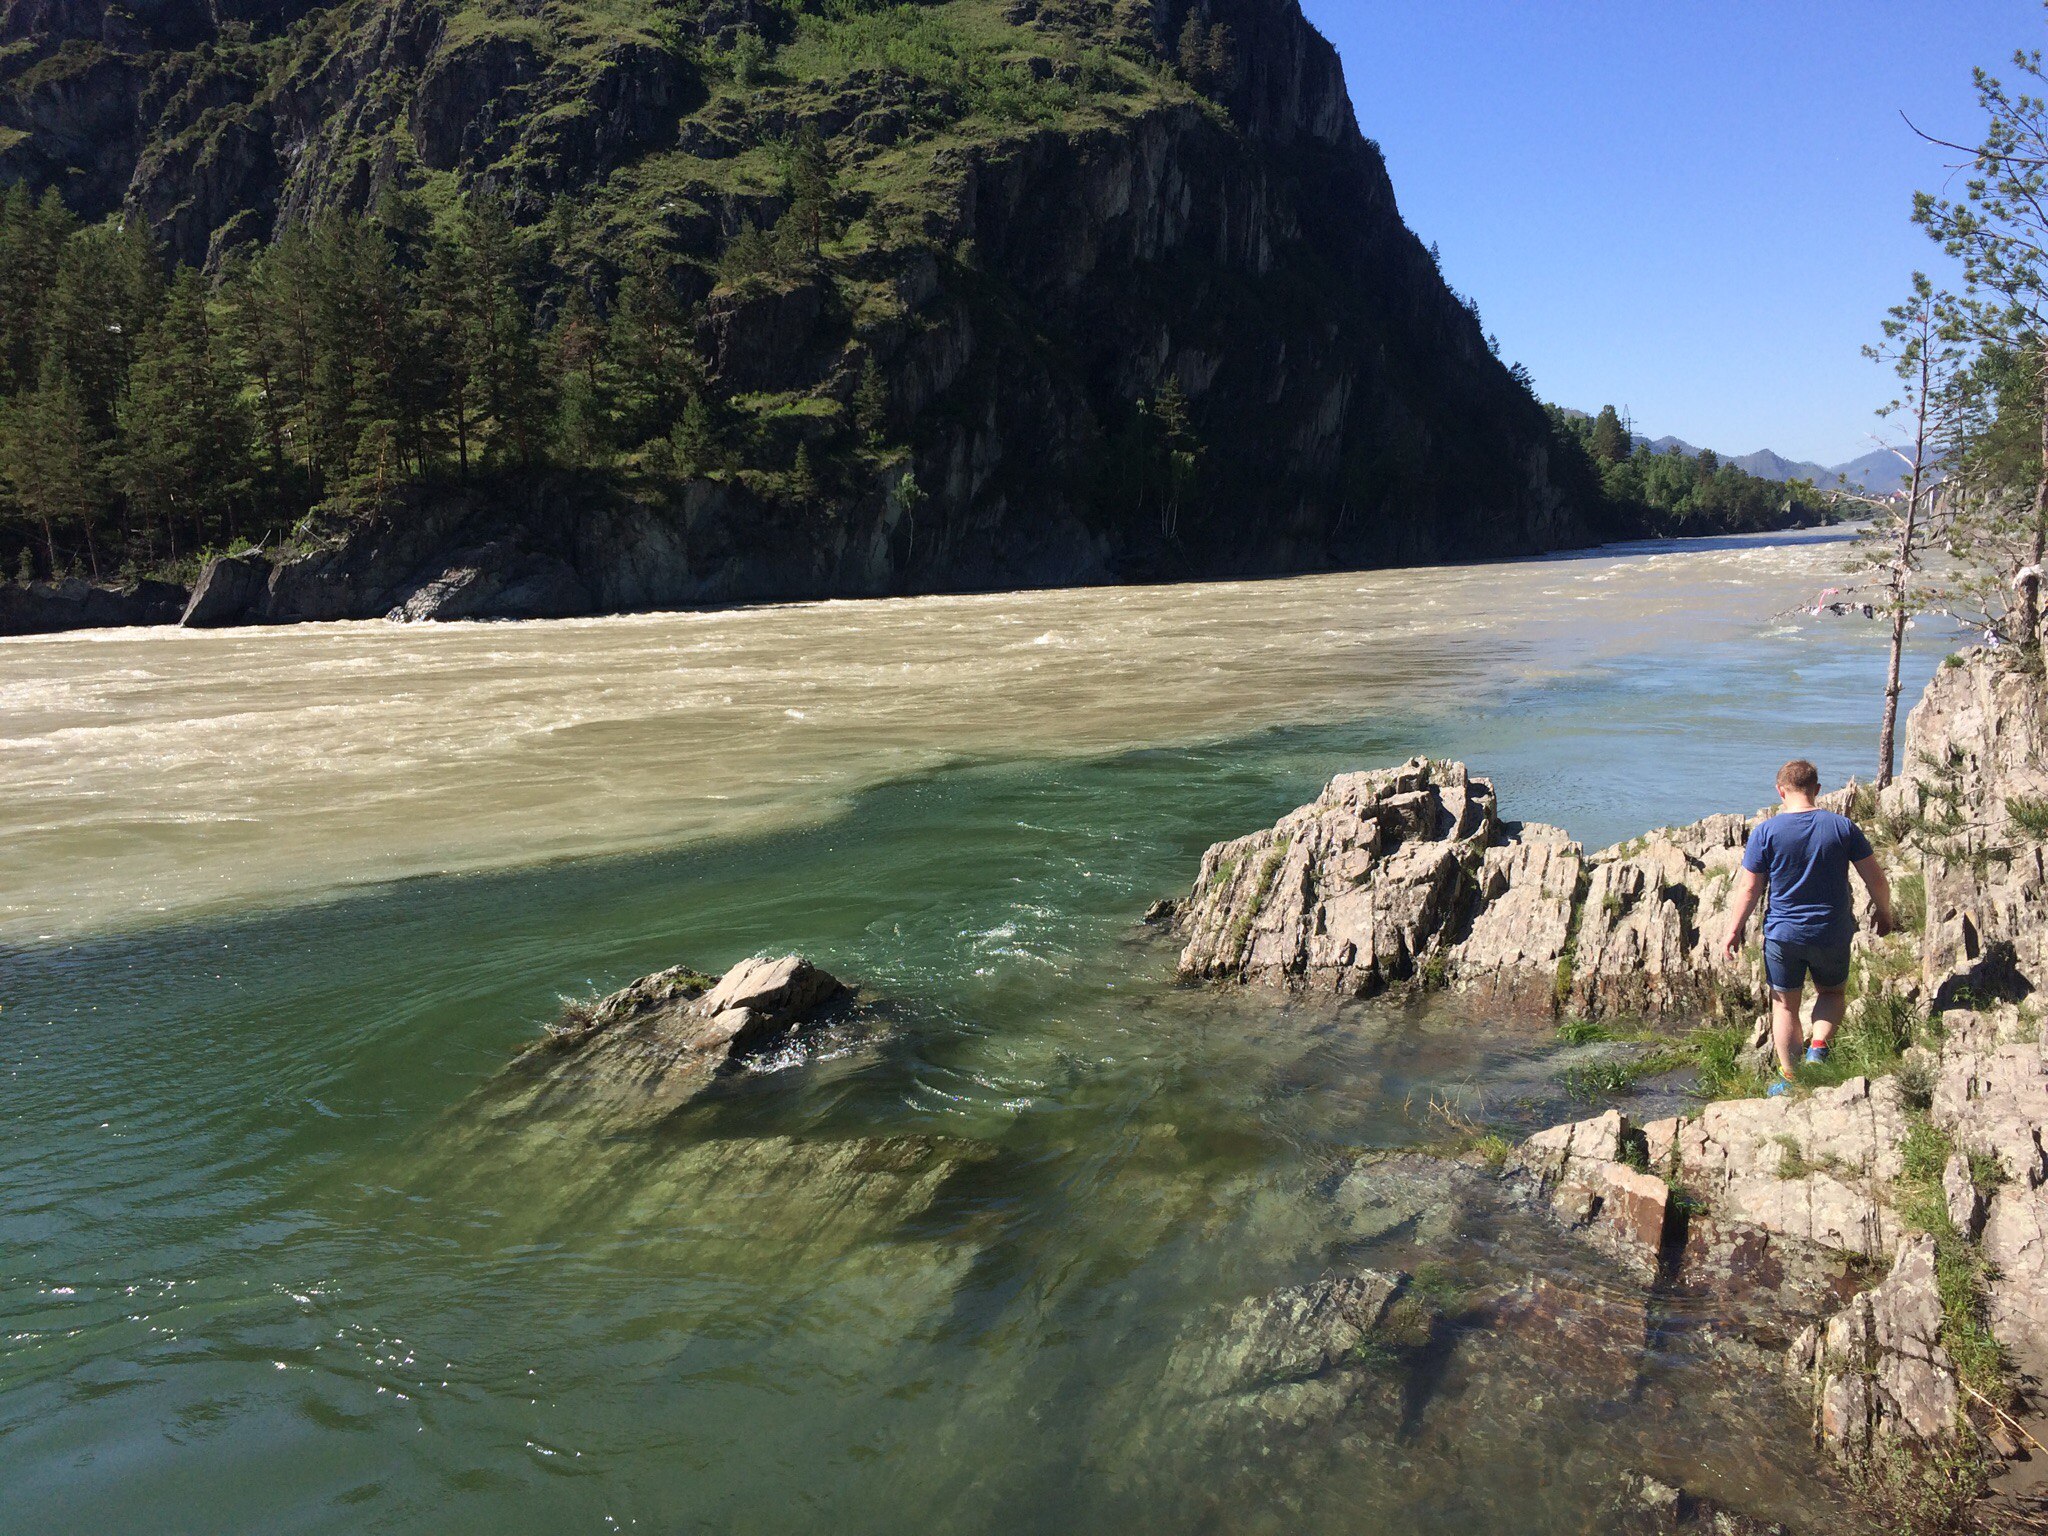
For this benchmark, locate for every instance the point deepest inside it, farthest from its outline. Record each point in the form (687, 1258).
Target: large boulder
(494, 581)
(1350, 893)
(231, 590)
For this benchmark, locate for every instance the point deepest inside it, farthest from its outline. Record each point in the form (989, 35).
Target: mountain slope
(1045, 218)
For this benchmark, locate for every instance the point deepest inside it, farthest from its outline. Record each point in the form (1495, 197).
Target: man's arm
(1749, 885)
(1880, 892)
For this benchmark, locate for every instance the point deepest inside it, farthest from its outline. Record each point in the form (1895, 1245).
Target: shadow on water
(265, 1265)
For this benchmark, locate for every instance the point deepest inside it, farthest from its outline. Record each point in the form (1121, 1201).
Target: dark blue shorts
(1786, 965)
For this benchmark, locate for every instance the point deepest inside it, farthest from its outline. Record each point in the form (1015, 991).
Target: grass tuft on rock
(1959, 1267)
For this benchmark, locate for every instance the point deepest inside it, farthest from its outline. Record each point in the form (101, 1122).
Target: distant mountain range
(1877, 473)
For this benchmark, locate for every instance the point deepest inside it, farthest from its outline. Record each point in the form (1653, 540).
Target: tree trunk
(1902, 568)
(2030, 588)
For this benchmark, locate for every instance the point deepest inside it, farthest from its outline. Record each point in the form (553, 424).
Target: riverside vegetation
(671, 302)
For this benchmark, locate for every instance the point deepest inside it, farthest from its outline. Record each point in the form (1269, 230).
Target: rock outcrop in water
(46, 607)
(1410, 875)
(649, 1049)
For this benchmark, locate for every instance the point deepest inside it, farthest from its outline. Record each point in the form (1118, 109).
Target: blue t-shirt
(1804, 857)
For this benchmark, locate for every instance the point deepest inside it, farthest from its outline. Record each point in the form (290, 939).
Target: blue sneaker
(1816, 1053)
(1778, 1090)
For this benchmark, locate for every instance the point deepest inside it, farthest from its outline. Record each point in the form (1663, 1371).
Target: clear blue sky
(1697, 211)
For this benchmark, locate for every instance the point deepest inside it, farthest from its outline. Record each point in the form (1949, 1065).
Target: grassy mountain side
(741, 297)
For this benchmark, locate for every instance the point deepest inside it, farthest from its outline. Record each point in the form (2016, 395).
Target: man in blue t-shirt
(1802, 857)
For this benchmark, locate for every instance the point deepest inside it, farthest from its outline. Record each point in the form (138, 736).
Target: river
(275, 902)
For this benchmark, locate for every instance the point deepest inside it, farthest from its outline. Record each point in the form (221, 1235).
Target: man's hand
(1884, 924)
(1748, 887)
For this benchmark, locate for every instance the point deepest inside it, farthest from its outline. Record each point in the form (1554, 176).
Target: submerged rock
(1392, 1196)
(650, 1048)
(1304, 1354)
(1644, 1506)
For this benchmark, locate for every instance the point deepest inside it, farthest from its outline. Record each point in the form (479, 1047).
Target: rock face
(1815, 1169)
(1038, 280)
(1878, 1368)
(42, 607)
(649, 1049)
(1976, 762)
(229, 591)
(1583, 1172)
(1410, 875)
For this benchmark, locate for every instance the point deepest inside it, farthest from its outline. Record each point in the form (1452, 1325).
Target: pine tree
(1194, 50)
(696, 444)
(575, 346)
(517, 395)
(52, 456)
(104, 294)
(32, 237)
(871, 404)
(184, 447)
(649, 353)
(1610, 439)
(812, 208)
(1220, 59)
(448, 331)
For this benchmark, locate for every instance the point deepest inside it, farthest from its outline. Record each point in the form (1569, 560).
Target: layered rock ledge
(1411, 876)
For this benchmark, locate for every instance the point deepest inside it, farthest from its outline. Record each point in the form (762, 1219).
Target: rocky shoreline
(460, 566)
(1865, 1260)
(1881, 1243)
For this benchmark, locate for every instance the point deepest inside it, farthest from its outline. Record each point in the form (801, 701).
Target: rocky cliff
(1048, 217)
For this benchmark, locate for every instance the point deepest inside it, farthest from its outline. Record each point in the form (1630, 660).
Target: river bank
(1891, 1223)
(433, 573)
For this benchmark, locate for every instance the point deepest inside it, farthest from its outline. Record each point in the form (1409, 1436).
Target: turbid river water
(273, 904)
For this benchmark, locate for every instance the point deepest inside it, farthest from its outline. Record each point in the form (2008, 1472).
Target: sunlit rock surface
(1410, 875)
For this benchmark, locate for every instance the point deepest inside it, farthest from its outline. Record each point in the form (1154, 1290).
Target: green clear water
(259, 1270)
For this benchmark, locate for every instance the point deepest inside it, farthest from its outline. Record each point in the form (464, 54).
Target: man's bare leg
(1785, 1032)
(1829, 1005)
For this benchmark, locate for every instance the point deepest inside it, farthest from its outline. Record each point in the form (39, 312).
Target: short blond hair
(1801, 775)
